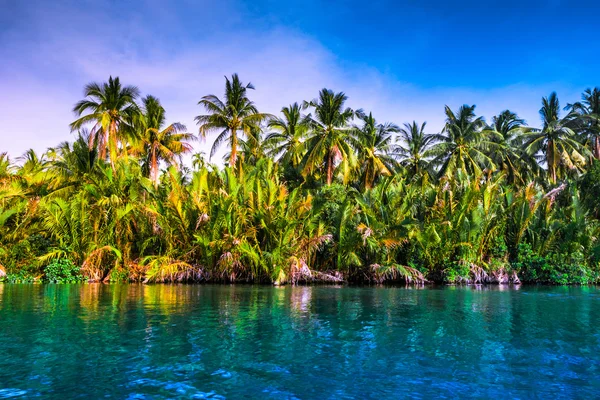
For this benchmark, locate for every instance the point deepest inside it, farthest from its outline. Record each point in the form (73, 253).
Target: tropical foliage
(322, 193)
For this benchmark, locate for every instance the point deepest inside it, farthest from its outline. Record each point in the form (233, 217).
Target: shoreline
(429, 285)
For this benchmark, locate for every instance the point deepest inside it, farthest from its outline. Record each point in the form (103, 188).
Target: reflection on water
(169, 341)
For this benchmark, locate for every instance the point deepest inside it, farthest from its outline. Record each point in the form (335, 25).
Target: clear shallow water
(136, 342)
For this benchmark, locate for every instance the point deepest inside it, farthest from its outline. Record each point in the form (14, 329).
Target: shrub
(457, 272)
(119, 274)
(21, 276)
(63, 271)
(561, 269)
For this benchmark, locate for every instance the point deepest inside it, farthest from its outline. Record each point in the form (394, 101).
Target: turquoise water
(153, 342)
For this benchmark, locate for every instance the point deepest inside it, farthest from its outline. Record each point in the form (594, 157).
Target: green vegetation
(321, 193)
(63, 271)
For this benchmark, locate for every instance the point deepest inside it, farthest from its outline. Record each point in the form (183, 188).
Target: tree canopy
(321, 192)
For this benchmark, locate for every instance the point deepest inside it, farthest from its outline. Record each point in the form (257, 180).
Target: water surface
(180, 341)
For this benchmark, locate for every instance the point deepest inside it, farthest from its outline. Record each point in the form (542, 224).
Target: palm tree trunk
(233, 155)
(329, 162)
(597, 147)
(369, 175)
(550, 153)
(154, 168)
(103, 144)
(112, 143)
(94, 140)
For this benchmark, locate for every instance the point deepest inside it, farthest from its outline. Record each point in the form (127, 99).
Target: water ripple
(179, 341)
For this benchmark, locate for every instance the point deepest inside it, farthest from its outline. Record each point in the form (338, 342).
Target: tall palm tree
(233, 115)
(330, 128)
(414, 149)
(556, 139)
(288, 140)
(110, 107)
(160, 143)
(373, 142)
(462, 147)
(588, 112)
(506, 132)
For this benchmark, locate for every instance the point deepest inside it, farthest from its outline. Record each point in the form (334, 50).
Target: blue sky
(403, 60)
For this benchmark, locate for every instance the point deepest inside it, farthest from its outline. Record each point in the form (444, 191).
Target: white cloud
(46, 71)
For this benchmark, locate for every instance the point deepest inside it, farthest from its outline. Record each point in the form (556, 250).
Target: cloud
(70, 46)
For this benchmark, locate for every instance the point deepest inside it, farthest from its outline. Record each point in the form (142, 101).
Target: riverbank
(476, 276)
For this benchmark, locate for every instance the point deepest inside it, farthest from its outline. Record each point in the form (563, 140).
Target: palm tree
(252, 148)
(462, 146)
(556, 139)
(198, 160)
(414, 152)
(110, 107)
(33, 171)
(373, 142)
(157, 141)
(330, 130)
(72, 164)
(288, 140)
(234, 115)
(5, 167)
(588, 111)
(31, 163)
(506, 131)
(507, 123)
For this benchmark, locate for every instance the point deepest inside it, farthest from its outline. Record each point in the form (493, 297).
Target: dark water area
(201, 341)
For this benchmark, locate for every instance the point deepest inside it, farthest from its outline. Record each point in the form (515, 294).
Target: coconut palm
(199, 160)
(414, 148)
(588, 112)
(31, 163)
(462, 147)
(232, 116)
(110, 107)
(5, 166)
(73, 164)
(373, 143)
(288, 140)
(507, 123)
(556, 140)
(251, 148)
(328, 146)
(33, 171)
(157, 142)
(506, 132)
